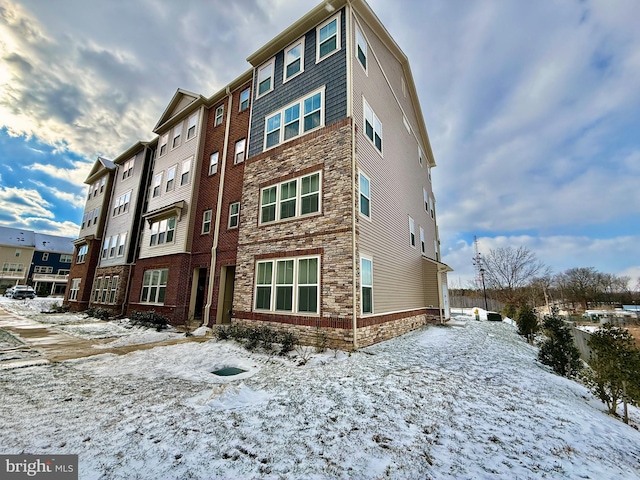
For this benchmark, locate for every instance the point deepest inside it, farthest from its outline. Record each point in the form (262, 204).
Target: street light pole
(484, 289)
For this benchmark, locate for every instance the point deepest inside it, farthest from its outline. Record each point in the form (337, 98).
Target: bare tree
(580, 285)
(508, 270)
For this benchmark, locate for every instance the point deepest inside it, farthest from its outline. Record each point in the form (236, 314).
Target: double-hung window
(114, 289)
(328, 38)
(154, 285)
(82, 254)
(288, 285)
(75, 288)
(412, 232)
(105, 289)
(177, 132)
(127, 169)
(234, 215)
(162, 231)
(422, 245)
(98, 289)
(219, 114)
(431, 207)
(157, 181)
(293, 60)
(121, 243)
(244, 99)
(303, 115)
(112, 247)
(372, 126)
(365, 195)
(213, 163)
(420, 155)
(191, 126)
(105, 248)
(361, 46)
(238, 156)
(171, 179)
(206, 222)
(292, 198)
(186, 167)
(163, 144)
(425, 196)
(366, 284)
(265, 78)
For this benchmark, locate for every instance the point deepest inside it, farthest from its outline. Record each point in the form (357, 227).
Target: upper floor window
(186, 167)
(121, 243)
(171, 179)
(206, 221)
(164, 139)
(365, 195)
(122, 204)
(96, 215)
(372, 126)
(412, 232)
(435, 248)
(65, 258)
(127, 168)
(293, 198)
(162, 231)
(420, 155)
(42, 269)
(102, 183)
(244, 99)
(45, 257)
(328, 38)
(112, 246)
(431, 207)
(238, 156)
(295, 119)
(213, 163)
(425, 197)
(265, 78)
(293, 60)
(234, 215)
(177, 133)
(82, 254)
(361, 46)
(219, 115)
(157, 181)
(422, 245)
(191, 126)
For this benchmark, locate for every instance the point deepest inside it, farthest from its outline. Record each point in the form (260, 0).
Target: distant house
(16, 254)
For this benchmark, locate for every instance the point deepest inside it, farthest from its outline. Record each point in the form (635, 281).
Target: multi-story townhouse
(338, 227)
(51, 263)
(16, 255)
(89, 242)
(120, 240)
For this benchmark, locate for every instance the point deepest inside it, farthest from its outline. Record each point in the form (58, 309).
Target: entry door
(227, 303)
(202, 279)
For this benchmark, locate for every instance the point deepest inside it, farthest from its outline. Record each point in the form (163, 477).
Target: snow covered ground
(441, 402)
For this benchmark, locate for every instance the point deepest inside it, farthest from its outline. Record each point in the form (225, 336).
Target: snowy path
(441, 403)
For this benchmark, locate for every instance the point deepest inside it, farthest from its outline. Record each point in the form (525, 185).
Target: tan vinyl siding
(397, 183)
(430, 284)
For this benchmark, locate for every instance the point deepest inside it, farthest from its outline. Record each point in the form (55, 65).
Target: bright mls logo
(58, 467)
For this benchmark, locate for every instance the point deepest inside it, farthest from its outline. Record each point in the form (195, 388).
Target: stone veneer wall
(379, 332)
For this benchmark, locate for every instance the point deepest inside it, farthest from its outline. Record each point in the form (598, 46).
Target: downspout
(216, 232)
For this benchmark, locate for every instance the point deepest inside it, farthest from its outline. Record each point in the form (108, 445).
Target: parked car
(9, 292)
(23, 291)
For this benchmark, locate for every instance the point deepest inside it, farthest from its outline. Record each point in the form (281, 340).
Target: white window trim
(300, 42)
(423, 246)
(192, 123)
(206, 222)
(216, 155)
(164, 142)
(74, 289)
(360, 35)
(420, 156)
(185, 164)
(236, 152)
(236, 215)
(155, 230)
(295, 297)
(362, 285)
(271, 62)
(425, 198)
(157, 183)
(248, 90)
(366, 105)
(301, 131)
(177, 134)
(158, 286)
(338, 37)
(218, 118)
(298, 214)
(360, 194)
(412, 232)
(122, 240)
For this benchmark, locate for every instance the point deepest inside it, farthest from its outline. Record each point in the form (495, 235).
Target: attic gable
(181, 101)
(100, 167)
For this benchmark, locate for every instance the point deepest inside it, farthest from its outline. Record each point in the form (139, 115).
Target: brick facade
(83, 271)
(117, 307)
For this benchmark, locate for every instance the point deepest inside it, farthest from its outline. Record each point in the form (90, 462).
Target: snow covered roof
(39, 241)
(53, 243)
(16, 237)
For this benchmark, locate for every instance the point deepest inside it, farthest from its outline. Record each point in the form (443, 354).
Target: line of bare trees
(515, 276)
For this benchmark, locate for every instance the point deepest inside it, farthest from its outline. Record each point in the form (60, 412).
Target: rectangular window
(219, 115)
(365, 195)
(65, 258)
(105, 289)
(82, 254)
(293, 60)
(234, 215)
(121, 243)
(105, 248)
(294, 119)
(162, 231)
(294, 287)
(244, 99)
(239, 151)
(114, 289)
(420, 155)
(186, 167)
(372, 126)
(127, 168)
(328, 38)
(103, 183)
(177, 133)
(154, 286)
(163, 144)
(425, 197)
(366, 284)
(293, 198)
(432, 207)
(42, 269)
(97, 289)
(265, 78)
(361, 46)
(206, 222)
(412, 232)
(422, 245)
(435, 248)
(171, 179)
(213, 163)
(157, 181)
(191, 126)
(96, 215)
(45, 257)
(112, 247)
(75, 288)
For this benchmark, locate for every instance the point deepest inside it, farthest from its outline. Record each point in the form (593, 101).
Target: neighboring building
(299, 196)
(49, 272)
(16, 254)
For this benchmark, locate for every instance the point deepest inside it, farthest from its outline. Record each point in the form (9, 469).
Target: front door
(227, 303)
(200, 290)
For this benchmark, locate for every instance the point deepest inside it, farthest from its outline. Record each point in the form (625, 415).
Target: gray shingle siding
(331, 72)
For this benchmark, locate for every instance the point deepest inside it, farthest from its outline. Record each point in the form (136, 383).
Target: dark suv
(23, 291)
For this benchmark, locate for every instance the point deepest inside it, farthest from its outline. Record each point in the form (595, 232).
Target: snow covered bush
(527, 322)
(98, 312)
(149, 319)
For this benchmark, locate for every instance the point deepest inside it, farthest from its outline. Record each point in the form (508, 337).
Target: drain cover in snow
(228, 371)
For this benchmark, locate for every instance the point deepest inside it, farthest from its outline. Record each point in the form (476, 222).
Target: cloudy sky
(533, 109)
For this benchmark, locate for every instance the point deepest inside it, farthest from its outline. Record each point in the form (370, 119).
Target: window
(121, 243)
(102, 183)
(365, 195)
(42, 269)
(163, 144)
(327, 38)
(429, 171)
(96, 214)
(206, 222)
(65, 258)
(89, 218)
(294, 287)
(157, 181)
(45, 257)
(191, 126)
(84, 220)
(112, 248)
(154, 286)
(425, 196)
(114, 289)
(286, 124)
(186, 167)
(82, 254)
(95, 189)
(412, 232)
(244, 99)
(234, 215)
(435, 248)
(293, 60)
(420, 155)
(127, 168)
(431, 207)
(213, 163)
(219, 115)
(366, 284)
(239, 152)
(97, 289)
(265, 78)
(122, 204)
(162, 231)
(75, 288)
(105, 247)
(422, 245)
(177, 132)
(361, 46)
(293, 198)
(171, 179)
(372, 126)
(13, 267)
